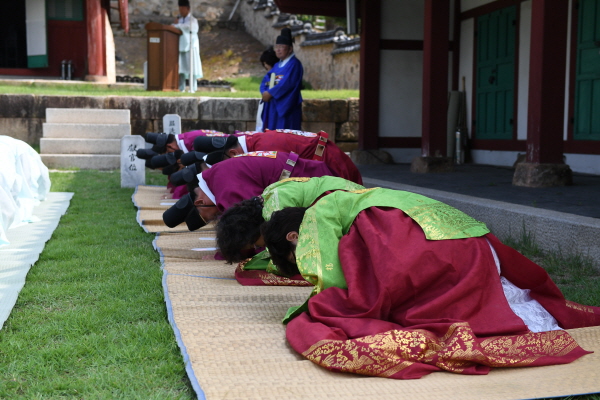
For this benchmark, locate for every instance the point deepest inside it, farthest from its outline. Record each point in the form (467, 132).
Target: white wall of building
(401, 94)
(402, 20)
(523, 52)
(466, 5)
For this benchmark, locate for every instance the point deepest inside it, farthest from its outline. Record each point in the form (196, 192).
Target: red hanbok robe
(414, 306)
(305, 144)
(243, 177)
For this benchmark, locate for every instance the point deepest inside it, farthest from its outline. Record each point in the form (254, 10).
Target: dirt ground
(225, 53)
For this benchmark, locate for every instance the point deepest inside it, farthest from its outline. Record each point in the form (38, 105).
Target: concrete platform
(560, 219)
(82, 161)
(80, 146)
(86, 131)
(86, 116)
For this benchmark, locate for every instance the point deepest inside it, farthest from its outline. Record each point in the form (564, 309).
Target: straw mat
(152, 197)
(234, 345)
(151, 202)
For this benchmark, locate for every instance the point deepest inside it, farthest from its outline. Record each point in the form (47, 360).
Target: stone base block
(432, 164)
(347, 147)
(81, 161)
(86, 116)
(542, 175)
(80, 146)
(86, 131)
(366, 157)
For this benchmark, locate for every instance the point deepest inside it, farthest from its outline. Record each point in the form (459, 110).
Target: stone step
(80, 146)
(86, 131)
(82, 161)
(86, 116)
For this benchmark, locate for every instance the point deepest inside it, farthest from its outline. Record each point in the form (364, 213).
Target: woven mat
(234, 344)
(152, 197)
(151, 202)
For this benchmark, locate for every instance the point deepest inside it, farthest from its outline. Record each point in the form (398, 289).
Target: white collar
(181, 143)
(205, 189)
(285, 61)
(242, 142)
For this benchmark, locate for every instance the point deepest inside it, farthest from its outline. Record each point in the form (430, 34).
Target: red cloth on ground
(337, 161)
(258, 277)
(414, 306)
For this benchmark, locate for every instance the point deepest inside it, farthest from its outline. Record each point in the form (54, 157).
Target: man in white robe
(189, 46)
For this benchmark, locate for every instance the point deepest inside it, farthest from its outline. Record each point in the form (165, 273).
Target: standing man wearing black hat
(281, 88)
(190, 65)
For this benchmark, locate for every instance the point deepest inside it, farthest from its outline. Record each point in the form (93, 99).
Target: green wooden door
(587, 78)
(495, 74)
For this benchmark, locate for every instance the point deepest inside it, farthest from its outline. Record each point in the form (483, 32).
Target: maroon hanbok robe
(243, 177)
(305, 145)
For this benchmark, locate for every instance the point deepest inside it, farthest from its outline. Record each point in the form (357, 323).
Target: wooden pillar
(96, 63)
(545, 120)
(435, 89)
(435, 77)
(370, 35)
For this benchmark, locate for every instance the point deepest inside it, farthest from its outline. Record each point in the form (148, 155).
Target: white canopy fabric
(24, 182)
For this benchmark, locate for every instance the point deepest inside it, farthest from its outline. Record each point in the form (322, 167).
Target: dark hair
(274, 233)
(269, 57)
(170, 138)
(238, 227)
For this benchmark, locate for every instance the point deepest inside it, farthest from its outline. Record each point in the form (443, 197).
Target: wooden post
(545, 119)
(435, 77)
(368, 103)
(96, 68)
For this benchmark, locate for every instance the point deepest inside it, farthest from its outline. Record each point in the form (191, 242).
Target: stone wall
(331, 60)
(22, 116)
(164, 11)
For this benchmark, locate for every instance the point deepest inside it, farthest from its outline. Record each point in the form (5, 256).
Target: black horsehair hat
(285, 37)
(159, 140)
(183, 3)
(185, 176)
(145, 154)
(167, 159)
(192, 157)
(183, 211)
(208, 144)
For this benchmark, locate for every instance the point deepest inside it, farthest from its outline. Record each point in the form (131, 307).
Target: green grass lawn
(246, 87)
(91, 321)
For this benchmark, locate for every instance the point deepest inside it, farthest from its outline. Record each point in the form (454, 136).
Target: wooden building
(36, 36)
(531, 69)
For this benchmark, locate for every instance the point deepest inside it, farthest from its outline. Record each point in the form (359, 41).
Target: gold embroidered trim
(294, 180)
(387, 353)
(579, 307)
(363, 190)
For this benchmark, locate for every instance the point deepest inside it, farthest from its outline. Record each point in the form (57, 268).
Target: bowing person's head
(238, 229)
(280, 234)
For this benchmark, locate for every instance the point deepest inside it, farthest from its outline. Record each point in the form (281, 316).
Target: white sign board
(172, 124)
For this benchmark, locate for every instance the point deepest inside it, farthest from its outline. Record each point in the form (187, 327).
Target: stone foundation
(22, 116)
(542, 175)
(367, 157)
(432, 164)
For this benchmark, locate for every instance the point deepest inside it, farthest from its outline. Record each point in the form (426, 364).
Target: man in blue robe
(281, 88)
